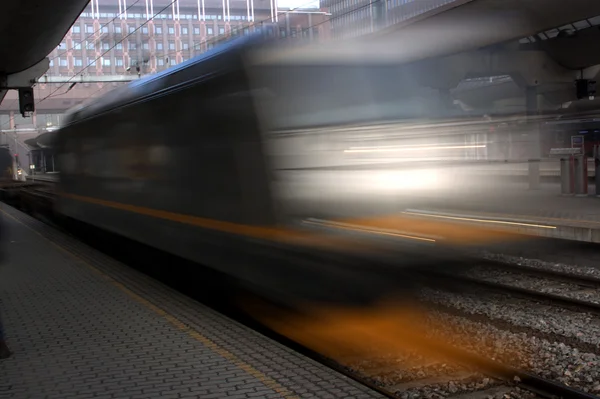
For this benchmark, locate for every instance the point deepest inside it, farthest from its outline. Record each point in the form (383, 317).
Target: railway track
(490, 379)
(551, 286)
(483, 376)
(566, 277)
(481, 373)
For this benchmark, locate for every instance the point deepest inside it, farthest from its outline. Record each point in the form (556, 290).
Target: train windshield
(301, 96)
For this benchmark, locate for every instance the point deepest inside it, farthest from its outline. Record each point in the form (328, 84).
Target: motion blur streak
(416, 148)
(428, 229)
(389, 329)
(541, 226)
(356, 228)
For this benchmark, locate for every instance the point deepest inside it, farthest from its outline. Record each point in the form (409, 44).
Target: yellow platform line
(174, 321)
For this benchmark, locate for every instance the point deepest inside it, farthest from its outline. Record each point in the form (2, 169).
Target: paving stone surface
(82, 325)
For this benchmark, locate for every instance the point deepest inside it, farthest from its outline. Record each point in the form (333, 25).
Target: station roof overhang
(29, 30)
(44, 140)
(468, 25)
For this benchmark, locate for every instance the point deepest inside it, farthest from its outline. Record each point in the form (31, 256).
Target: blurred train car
(192, 161)
(6, 165)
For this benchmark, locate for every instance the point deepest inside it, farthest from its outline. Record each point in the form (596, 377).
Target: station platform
(549, 168)
(82, 325)
(51, 177)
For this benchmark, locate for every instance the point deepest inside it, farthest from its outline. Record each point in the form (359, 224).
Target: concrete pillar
(533, 134)
(581, 176)
(566, 178)
(597, 169)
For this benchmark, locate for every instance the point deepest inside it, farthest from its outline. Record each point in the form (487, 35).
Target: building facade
(115, 37)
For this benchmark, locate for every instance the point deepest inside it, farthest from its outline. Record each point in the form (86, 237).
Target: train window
(334, 94)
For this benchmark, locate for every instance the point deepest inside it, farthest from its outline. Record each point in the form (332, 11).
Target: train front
(354, 152)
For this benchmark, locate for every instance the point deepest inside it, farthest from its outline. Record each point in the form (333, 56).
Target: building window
(89, 45)
(63, 62)
(105, 29)
(171, 45)
(145, 46)
(171, 30)
(159, 46)
(145, 30)
(184, 30)
(131, 29)
(105, 46)
(106, 61)
(89, 29)
(196, 31)
(118, 29)
(62, 46)
(186, 46)
(221, 30)
(209, 30)
(119, 46)
(91, 61)
(132, 46)
(77, 62)
(76, 29)
(160, 62)
(119, 62)
(158, 30)
(52, 62)
(77, 46)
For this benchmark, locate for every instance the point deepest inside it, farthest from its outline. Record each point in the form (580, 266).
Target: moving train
(215, 161)
(6, 164)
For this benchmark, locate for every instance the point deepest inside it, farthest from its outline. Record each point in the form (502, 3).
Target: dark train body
(6, 164)
(191, 161)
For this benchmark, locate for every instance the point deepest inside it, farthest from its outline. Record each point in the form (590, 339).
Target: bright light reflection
(398, 149)
(407, 179)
